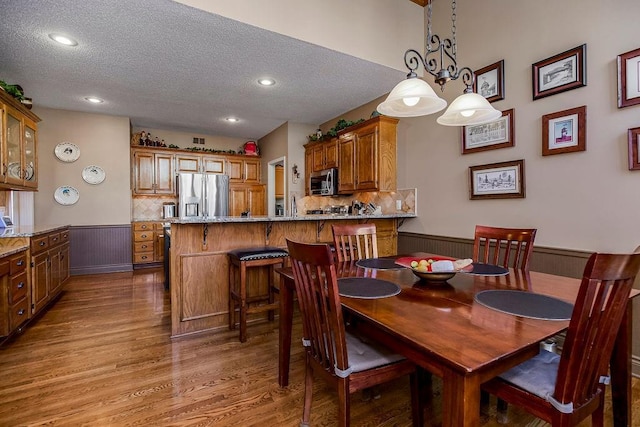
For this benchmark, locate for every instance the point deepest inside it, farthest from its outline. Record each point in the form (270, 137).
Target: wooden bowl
(431, 277)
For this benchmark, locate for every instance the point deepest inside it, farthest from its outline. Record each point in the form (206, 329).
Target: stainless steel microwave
(324, 183)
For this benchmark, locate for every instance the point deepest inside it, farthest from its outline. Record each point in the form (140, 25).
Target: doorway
(277, 187)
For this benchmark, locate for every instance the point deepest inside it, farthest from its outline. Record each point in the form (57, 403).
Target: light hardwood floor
(102, 356)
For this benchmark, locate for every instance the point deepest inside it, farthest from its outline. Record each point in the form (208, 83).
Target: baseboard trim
(116, 268)
(635, 366)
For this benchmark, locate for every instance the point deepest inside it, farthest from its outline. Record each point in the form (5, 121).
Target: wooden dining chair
(506, 247)
(565, 389)
(355, 241)
(342, 359)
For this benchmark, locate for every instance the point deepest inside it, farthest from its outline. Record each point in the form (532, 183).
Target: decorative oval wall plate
(66, 195)
(93, 174)
(67, 152)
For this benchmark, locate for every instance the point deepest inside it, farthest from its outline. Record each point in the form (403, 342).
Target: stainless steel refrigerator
(203, 195)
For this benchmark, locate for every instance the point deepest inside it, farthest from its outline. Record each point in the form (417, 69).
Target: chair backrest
(596, 318)
(317, 290)
(355, 241)
(506, 247)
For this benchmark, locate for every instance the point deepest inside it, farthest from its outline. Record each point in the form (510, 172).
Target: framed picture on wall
(629, 78)
(634, 152)
(564, 131)
(489, 81)
(561, 72)
(490, 136)
(503, 180)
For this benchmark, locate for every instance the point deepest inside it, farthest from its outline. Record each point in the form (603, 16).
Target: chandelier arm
(431, 64)
(467, 78)
(413, 59)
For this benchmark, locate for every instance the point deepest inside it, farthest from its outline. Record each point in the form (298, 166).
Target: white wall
(375, 30)
(585, 201)
(103, 141)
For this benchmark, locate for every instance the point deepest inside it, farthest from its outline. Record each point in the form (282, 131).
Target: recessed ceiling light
(94, 100)
(67, 41)
(266, 82)
(232, 119)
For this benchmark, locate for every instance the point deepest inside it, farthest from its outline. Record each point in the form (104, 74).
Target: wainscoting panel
(561, 262)
(100, 249)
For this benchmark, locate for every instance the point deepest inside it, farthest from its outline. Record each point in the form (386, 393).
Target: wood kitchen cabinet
(153, 172)
(245, 169)
(346, 171)
(367, 156)
(14, 292)
(200, 163)
(148, 243)
(319, 156)
(279, 178)
(18, 145)
(325, 155)
(49, 267)
(247, 197)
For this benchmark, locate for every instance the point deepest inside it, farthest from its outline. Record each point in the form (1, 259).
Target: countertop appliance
(324, 183)
(202, 195)
(168, 210)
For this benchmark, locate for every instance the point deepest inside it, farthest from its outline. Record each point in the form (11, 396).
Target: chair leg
(243, 302)
(232, 301)
(597, 417)
(270, 293)
(308, 393)
(344, 402)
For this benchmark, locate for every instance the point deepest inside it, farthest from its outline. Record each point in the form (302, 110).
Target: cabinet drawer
(142, 257)
(39, 244)
(19, 313)
(143, 236)
(54, 239)
(142, 226)
(18, 263)
(4, 267)
(64, 236)
(146, 246)
(17, 287)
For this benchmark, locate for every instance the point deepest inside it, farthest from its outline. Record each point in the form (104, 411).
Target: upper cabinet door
(18, 145)
(213, 164)
(164, 178)
(153, 173)
(13, 168)
(30, 173)
(188, 164)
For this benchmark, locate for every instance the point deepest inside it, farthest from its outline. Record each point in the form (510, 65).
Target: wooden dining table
(443, 329)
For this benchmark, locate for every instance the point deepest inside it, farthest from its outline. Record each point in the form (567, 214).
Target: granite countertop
(233, 219)
(29, 230)
(4, 252)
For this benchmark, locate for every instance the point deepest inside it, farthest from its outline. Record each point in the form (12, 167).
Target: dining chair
(506, 247)
(342, 359)
(565, 389)
(355, 241)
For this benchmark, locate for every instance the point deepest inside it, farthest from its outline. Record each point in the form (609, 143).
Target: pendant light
(413, 97)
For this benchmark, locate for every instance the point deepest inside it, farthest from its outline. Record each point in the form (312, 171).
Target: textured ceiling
(168, 66)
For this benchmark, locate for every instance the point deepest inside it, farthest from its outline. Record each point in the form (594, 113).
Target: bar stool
(239, 261)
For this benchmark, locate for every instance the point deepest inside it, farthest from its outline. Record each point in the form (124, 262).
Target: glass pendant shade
(469, 109)
(411, 98)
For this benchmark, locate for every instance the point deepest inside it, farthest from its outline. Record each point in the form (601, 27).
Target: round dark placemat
(480, 269)
(379, 263)
(366, 287)
(525, 304)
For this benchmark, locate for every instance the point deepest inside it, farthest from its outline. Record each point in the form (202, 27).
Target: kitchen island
(199, 266)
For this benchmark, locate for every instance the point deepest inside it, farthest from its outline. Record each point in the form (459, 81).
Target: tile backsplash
(387, 200)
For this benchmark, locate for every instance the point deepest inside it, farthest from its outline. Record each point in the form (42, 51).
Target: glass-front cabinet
(18, 146)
